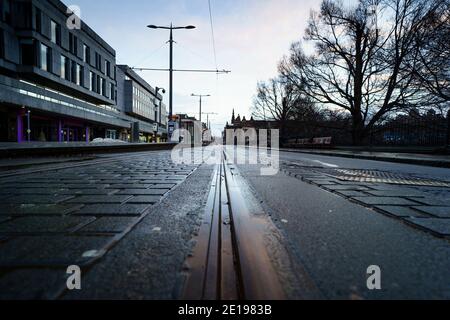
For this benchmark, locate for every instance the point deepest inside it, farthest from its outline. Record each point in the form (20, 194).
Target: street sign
(171, 127)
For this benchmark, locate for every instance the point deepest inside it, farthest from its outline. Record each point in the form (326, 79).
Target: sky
(251, 36)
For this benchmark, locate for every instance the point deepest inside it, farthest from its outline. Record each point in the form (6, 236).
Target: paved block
(443, 212)
(31, 191)
(100, 199)
(154, 182)
(399, 211)
(109, 224)
(104, 177)
(351, 193)
(36, 185)
(144, 177)
(46, 251)
(432, 201)
(87, 192)
(383, 187)
(37, 209)
(42, 224)
(38, 199)
(124, 181)
(163, 186)
(385, 201)
(323, 182)
(148, 192)
(347, 187)
(129, 186)
(440, 226)
(144, 199)
(41, 284)
(4, 197)
(86, 186)
(111, 209)
(172, 178)
(3, 219)
(396, 193)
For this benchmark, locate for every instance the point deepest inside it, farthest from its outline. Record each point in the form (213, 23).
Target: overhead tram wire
(151, 54)
(212, 33)
(196, 54)
(183, 70)
(213, 44)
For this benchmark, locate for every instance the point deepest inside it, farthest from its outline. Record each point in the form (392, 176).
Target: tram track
(231, 260)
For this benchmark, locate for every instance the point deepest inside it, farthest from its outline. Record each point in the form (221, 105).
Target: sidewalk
(408, 158)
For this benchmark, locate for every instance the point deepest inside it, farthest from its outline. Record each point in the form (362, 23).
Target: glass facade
(80, 72)
(45, 57)
(143, 102)
(77, 73)
(55, 32)
(86, 54)
(64, 67)
(102, 86)
(91, 81)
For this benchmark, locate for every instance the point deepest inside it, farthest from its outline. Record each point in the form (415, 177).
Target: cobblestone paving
(73, 216)
(423, 207)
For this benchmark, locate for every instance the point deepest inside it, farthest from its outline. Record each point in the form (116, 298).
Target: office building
(59, 83)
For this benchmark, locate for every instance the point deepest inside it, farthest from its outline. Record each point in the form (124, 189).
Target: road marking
(326, 164)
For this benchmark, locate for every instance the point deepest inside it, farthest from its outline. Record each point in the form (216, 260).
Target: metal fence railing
(418, 130)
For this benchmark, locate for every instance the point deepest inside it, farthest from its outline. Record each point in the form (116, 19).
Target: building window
(65, 67)
(98, 86)
(55, 32)
(38, 20)
(102, 87)
(2, 44)
(91, 81)
(27, 52)
(73, 44)
(86, 54)
(110, 134)
(98, 61)
(108, 68)
(80, 73)
(74, 72)
(7, 11)
(112, 93)
(46, 58)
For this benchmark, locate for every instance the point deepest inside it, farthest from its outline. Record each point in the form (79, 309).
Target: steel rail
(230, 260)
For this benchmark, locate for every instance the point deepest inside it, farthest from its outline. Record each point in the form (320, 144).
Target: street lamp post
(200, 96)
(171, 28)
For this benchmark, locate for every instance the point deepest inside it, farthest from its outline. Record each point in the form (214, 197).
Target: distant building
(243, 124)
(141, 101)
(190, 124)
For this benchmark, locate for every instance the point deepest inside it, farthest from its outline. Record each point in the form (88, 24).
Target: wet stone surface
(51, 219)
(426, 208)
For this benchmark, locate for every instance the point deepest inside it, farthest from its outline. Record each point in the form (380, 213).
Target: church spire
(233, 117)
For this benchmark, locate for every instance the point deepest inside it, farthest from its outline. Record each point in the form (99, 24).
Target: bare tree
(278, 100)
(274, 101)
(359, 64)
(432, 71)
